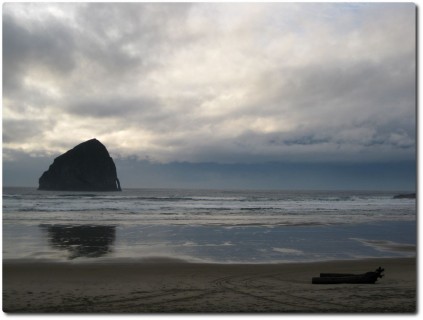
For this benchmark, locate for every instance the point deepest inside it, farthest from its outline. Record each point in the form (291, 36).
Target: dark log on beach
(337, 274)
(337, 278)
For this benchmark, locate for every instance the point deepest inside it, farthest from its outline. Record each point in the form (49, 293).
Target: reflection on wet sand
(81, 240)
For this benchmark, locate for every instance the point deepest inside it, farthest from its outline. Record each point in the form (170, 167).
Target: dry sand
(173, 286)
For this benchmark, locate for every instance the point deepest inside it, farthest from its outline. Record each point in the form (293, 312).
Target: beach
(206, 251)
(175, 286)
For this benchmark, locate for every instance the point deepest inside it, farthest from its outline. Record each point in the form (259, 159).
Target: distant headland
(405, 196)
(86, 167)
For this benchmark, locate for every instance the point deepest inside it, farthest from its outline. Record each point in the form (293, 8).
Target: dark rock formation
(86, 167)
(405, 196)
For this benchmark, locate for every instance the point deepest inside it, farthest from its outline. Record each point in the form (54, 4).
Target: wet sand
(172, 286)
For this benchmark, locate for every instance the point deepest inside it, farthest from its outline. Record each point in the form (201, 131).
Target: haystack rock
(86, 167)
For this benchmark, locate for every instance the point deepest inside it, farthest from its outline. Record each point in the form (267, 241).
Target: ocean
(213, 226)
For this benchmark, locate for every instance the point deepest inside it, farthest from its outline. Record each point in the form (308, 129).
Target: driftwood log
(335, 278)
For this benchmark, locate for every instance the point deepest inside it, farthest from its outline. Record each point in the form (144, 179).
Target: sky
(214, 95)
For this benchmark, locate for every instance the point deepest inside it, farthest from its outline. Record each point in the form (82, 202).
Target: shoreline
(169, 285)
(157, 260)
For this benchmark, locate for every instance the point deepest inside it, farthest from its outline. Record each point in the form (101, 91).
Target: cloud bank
(212, 82)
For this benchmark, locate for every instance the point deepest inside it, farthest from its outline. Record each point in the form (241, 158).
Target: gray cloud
(212, 82)
(22, 131)
(113, 106)
(128, 38)
(48, 44)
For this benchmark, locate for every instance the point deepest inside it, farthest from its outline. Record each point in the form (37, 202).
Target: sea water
(217, 226)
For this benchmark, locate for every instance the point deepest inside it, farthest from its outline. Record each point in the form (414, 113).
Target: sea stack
(86, 167)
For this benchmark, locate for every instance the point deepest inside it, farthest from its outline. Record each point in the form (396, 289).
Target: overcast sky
(226, 84)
